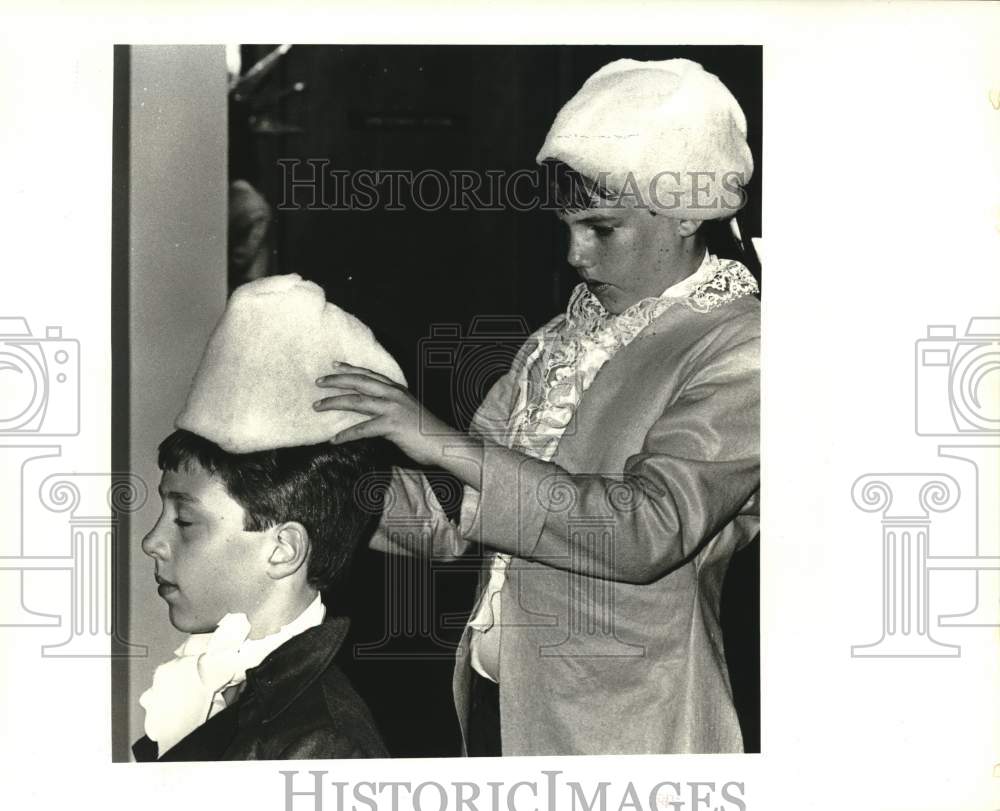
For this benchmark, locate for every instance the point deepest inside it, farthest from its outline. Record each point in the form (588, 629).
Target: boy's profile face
(207, 565)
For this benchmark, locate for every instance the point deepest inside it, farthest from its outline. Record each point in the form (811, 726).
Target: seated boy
(259, 520)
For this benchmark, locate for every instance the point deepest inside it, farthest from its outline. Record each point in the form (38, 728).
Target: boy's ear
(687, 228)
(290, 551)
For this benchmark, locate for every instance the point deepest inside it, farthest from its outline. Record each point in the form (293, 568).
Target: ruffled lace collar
(716, 282)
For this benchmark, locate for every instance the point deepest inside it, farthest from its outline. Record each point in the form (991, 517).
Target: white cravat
(188, 690)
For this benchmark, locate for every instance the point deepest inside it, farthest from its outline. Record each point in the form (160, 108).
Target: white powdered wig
(666, 132)
(256, 383)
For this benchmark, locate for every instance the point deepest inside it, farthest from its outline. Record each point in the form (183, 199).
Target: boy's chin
(187, 624)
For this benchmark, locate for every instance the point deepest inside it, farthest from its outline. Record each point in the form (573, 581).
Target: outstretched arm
(697, 469)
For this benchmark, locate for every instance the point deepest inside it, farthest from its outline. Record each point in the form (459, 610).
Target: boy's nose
(153, 545)
(578, 255)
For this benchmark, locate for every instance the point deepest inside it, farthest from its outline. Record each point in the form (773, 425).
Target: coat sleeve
(413, 522)
(698, 468)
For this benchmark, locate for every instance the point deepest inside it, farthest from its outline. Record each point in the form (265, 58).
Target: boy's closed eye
(185, 516)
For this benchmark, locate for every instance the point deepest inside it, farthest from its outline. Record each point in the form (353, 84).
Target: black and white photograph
(467, 407)
(479, 399)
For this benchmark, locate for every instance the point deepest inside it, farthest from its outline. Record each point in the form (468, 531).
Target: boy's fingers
(357, 382)
(342, 368)
(363, 430)
(349, 402)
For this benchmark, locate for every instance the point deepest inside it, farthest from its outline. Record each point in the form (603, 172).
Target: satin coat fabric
(611, 642)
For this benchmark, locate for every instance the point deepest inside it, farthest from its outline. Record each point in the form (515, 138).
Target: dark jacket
(296, 704)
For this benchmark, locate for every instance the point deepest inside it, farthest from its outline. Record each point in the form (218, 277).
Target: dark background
(410, 272)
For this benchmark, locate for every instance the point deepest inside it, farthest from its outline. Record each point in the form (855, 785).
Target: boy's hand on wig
(395, 413)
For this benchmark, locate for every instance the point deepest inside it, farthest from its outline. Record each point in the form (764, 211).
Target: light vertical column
(905, 501)
(94, 502)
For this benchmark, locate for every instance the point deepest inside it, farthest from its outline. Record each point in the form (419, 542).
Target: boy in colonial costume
(615, 469)
(261, 518)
